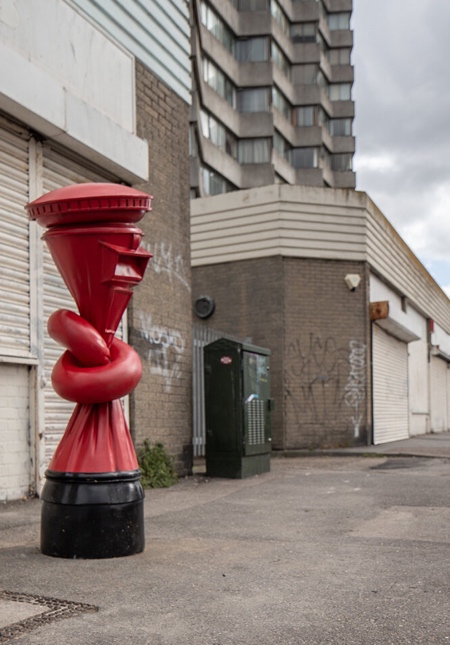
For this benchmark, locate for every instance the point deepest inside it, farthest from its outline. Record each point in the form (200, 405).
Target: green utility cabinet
(237, 409)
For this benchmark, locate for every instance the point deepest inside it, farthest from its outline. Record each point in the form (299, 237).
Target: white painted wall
(419, 386)
(405, 317)
(64, 77)
(440, 340)
(438, 389)
(15, 455)
(156, 32)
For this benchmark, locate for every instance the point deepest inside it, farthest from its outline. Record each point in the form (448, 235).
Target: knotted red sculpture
(92, 492)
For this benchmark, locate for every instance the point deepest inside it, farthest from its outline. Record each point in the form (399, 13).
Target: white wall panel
(419, 387)
(16, 463)
(155, 31)
(438, 390)
(65, 77)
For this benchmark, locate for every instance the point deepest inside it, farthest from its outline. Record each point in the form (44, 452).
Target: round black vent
(204, 307)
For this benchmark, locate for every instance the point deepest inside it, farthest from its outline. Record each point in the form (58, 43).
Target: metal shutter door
(448, 398)
(438, 391)
(58, 171)
(14, 245)
(390, 387)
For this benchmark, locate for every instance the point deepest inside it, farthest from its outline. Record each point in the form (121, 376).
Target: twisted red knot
(89, 371)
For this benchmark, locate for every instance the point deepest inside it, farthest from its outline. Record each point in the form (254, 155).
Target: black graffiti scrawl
(323, 380)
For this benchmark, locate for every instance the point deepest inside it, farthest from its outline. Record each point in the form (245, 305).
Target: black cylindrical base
(92, 515)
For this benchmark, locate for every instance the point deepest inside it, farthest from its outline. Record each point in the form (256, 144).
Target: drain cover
(46, 611)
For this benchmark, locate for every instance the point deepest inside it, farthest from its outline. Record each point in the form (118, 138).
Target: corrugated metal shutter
(448, 398)
(438, 391)
(14, 244)
(390, 387)
(58, 171)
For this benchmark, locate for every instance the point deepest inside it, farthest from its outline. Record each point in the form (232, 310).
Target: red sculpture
(94, 243)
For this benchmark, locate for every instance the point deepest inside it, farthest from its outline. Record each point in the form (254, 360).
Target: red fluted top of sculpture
(89, 204)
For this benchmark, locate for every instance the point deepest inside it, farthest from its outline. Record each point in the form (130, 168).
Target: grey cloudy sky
(402, 95)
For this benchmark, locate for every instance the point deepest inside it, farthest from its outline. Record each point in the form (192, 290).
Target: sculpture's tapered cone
(96, 440)
(99, 265)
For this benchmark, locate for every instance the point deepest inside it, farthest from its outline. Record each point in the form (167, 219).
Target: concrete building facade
(272, 82)
(92, 94)
(359, 332)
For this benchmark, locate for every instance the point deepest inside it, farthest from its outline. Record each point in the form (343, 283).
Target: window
(304, 157)
(252, 50)
(305, 32)
(220, 136)
(279, 16)
(280, 59)
(217, 27)
(217, 80)
(215, 184)
(281, 103)
(253, 99)
(339, 56)
(340, 127)
(338, 21)
(282, 146)
(309, 115)
(306, 116)
(341, 163)
(340, 92)
(254, 151)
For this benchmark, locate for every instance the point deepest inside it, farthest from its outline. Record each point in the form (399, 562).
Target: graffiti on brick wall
(322, 378)
(355, 388)
(166, 261)
(316, 373)
(163, 349)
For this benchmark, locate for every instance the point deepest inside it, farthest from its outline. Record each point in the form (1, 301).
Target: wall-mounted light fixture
(352, 280)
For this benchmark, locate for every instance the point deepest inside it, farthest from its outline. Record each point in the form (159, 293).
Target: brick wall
(326, 355)
(15, 450)
(249, 304)
(160, 313)
(319, 336)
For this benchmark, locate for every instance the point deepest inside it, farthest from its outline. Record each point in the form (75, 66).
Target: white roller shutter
(448, 398)
(438, 391)
(14, 243)
(58, 171)
(390, 387)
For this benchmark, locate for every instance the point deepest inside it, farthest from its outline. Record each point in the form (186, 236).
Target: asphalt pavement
(334, 548)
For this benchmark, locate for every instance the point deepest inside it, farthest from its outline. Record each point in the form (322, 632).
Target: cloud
(402, 127)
